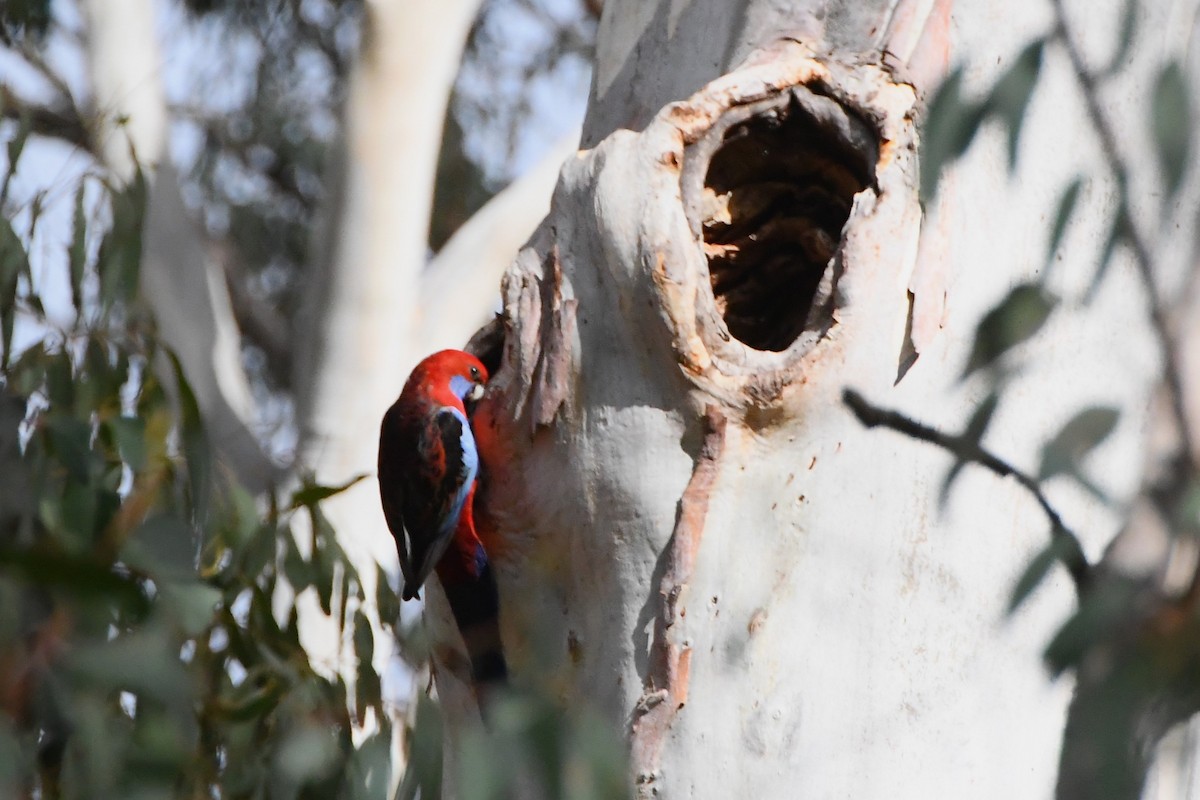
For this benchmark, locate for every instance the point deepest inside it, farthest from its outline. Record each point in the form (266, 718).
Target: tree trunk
(693, 532)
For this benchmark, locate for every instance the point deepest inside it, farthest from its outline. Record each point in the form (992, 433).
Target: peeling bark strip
(556, 332)
(541, 352)
(666, 684)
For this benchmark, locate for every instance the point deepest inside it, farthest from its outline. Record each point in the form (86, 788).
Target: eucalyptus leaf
(144, 662)
(130, 436)
(60, 381)
(1118, 233)
(311, 494)
(368, 690)
(387, 601)
(194, 440)
(1101, 612)
(77, 254)
(71, 439)
(950, 124)
(1009, 98)
(423, 776)
(1034, 573)
(1017, 318)
(1078, 437)
(1172, 125)
(1124, 40)
(120, 256)
(14, 262)
(368, 769)
(306, 754)
(1066, 207)
(192, 605)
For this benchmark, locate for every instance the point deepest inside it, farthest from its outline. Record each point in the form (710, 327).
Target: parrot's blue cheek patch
(461, 387)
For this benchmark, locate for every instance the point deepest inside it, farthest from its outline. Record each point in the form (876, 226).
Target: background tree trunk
(697, 536)
(181, 282)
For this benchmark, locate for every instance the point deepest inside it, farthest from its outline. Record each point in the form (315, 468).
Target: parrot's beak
(476, 393)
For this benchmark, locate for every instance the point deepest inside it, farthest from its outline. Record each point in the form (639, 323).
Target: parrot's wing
(395, 461)
(447, 466)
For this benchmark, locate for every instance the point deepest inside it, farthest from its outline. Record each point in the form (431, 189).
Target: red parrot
(428, 473)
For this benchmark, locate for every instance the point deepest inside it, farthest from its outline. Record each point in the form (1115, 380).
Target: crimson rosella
(428, 473)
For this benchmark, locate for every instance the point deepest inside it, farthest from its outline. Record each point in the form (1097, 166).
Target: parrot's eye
(475, 373)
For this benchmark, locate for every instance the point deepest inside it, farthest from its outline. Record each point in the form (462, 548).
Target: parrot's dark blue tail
(476, 607)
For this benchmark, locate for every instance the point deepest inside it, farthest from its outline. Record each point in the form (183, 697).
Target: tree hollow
(769, 188)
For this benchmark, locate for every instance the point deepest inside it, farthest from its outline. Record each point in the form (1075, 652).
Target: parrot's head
(453, 374)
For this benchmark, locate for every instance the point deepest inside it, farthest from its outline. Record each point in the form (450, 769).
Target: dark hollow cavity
(769, 188)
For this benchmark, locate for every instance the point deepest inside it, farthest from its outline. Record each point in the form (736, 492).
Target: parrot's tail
(476, 607)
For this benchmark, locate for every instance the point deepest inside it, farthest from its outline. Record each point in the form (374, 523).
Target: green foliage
(976, 427)
(952, 120)
(1016, 319)
(1064, 453)
(1009, 98)
(140, 655)
(141, 652)
(533, 749)
(1037, 570)
(1171, 125)
(950, 125)
(1129, 27)
(1066, 207)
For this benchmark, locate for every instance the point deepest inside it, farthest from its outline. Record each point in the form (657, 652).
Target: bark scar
(665, 688)
(551, 377)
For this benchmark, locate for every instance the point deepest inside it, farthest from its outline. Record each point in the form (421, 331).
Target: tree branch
(44, 120)
(460, 287)
(967, 449)
(1144, 261)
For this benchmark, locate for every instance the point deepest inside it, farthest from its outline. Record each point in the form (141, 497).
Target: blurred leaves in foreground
(139, 652)
(149, 647)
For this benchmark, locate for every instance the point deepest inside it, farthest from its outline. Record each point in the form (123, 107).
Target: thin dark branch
(43, 120)
(33, 57)
(968, 450)
(1173, 367)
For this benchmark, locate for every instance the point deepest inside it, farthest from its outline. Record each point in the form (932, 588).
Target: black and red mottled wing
(427, 466)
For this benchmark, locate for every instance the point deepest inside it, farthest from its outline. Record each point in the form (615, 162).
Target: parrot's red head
(450, 377)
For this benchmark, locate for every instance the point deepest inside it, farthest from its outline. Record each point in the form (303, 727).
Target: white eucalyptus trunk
(360, 328)
(358, 333)
(762, 596)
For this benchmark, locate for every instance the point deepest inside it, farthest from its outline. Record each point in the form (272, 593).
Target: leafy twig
(1144, 261)
(1070, 552)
